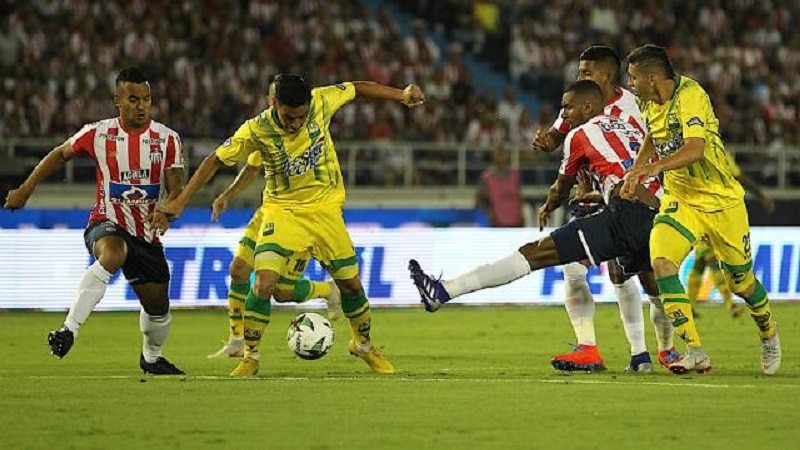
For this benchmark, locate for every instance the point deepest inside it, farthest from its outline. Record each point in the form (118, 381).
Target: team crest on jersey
(156, 156)
(268, 229)
(673, 124)
(312, 127)
(129, 175)
(694, 121)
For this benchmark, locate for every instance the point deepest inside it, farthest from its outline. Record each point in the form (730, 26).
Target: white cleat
(693, 361)
(334, 302)
(771, 354)
(234, 348)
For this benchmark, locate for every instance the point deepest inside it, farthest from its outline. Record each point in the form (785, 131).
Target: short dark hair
(651, 57)
(131, 75)
(604, 55)
(586, 88)
(292, 90)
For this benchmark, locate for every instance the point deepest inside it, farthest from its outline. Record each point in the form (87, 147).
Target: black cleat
(160, 367)
(60, 341)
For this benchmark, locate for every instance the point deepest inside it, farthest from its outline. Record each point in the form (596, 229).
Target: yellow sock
(693, 283)
(357, 311)
(305, 290)
(256, 319)
(722, 285)
(760, 311)
(678, 309)
(237, 296)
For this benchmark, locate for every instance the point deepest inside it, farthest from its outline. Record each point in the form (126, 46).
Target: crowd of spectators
(210, 61)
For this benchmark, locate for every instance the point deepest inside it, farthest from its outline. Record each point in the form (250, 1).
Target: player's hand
(587, 197)
(159, 221)
(413, 96)
(768, 203)
(635, 176)
(17, 198)
(542, 141)
(218, 207)
(544, 215)
(584, 184)
(172, 209)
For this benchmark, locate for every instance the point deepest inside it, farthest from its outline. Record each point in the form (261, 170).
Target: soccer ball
(310, 336)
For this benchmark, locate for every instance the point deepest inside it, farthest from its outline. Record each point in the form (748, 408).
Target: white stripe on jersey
(626, 102)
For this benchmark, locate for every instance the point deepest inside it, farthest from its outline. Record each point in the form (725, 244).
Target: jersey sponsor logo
(129, 175)
(153, 141)
(694, 121)
(130, 194)
(305, 162)
(112, 137)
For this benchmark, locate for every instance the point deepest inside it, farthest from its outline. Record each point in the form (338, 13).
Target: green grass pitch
(469, 377)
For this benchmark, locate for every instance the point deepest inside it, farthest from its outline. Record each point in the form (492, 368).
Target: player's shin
(305, 290)
(498, 273)
(237, 296)
(630, 310)
(579, 303)
(356, 309)
(155, 329)
(91, 290)
(661, 324)
(678, 309)
(758, 302)
(256, 319)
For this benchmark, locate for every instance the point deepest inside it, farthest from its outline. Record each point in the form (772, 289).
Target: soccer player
(602, 65)
(303, 202)
(291, 288)
(702, 201)
(704, 254)
(138, 162)
(606, 146)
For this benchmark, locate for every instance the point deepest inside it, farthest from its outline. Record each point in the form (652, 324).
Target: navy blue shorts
(619, 231)
(145, 263)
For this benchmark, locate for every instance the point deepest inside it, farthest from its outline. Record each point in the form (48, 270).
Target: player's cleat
(640, 363)
(693, 361)
(771, 354)
(431, 290)
(373, 357)
(334, 302)
(247, 367)
(667, 357)
(161, 367)
(60, 341)
(583, 358)
(736, 310)
(234, 348)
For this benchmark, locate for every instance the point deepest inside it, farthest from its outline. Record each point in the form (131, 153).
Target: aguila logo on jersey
(305, 162)
(134, 175)
(133, 194)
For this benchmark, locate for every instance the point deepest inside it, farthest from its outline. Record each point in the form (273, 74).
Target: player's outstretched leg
(431, 290)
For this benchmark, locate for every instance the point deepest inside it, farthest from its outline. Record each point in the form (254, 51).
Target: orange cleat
(584, 358)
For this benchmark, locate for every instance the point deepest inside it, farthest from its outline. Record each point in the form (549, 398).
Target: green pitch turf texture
(468, 377)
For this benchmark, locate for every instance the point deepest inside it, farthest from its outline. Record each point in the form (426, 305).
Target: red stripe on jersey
(578, 151)
(171, 153)
(155, 164)
(113, 172)
(617, 145)
(85, 143)
(134, 164)
(616, 111)
(632, 120)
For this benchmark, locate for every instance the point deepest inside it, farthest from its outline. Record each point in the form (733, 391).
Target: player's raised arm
(208, 168)
(411, 96)
(50, 164)
(547, 141)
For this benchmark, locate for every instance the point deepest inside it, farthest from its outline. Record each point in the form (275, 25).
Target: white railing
(418, 164)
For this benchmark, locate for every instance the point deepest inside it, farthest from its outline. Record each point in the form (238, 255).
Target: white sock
(630, 310)
(579, 303)
(155, 330)
(91, 289)
(497, 273)
(662, 324)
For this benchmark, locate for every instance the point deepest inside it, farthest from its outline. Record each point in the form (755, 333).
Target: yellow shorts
(289, 233)
(678, 228)
(295, 266)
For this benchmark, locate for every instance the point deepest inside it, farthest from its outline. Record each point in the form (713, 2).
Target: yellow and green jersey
(707, 184)
(301, 168)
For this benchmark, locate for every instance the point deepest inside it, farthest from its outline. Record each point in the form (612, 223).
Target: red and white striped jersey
(606, 148)
(623, 106)
(130, 170)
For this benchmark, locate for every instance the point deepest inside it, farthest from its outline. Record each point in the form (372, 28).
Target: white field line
(401, 379)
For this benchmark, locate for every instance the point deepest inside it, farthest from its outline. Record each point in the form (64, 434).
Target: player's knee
(664, 267)
(575, 273)
(239, 271)
(264, 287)
(283, 296)
(541, 253)
(156, 308)
(617, 277)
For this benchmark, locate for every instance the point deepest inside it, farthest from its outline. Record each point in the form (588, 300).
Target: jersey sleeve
(82, 142)
(254, 159)
(176, 159)
(236, 148)
(574, 152)
(336, 96)
(694, 112)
